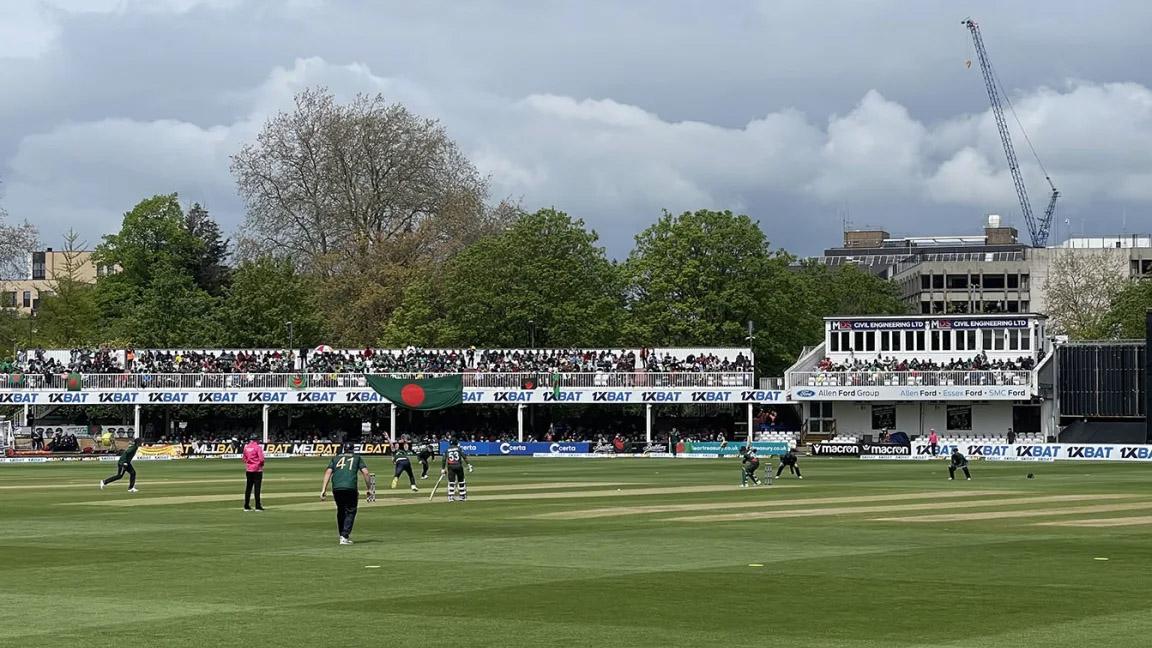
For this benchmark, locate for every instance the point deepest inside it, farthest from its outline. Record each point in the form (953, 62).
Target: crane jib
(1037, 228)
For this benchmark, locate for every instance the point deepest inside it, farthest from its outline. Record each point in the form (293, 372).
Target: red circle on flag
(412, 395)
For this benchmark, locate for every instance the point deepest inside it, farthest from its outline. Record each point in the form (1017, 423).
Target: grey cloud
(613, 111)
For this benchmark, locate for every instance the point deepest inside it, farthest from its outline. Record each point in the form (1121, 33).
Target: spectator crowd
(977, 363)
(195, 362)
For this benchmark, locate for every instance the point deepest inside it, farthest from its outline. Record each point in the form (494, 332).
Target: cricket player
(402, 462)
(961, 462)
(453, 465)
(749, 464)
(426, 452)
(341, 472)
(789, 459)
(124, 465)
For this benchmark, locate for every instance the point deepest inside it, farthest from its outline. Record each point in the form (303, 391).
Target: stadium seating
(729, 365)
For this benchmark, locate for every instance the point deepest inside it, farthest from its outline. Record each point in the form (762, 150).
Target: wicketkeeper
(789, 459)
(961, 462)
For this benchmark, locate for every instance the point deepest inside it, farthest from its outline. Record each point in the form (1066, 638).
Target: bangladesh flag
(420, 393)
(17, 379)
(298, 381)
(74, 382)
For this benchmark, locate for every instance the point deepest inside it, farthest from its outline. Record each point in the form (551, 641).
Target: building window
(858, 343)
(38, 266)
(994, 282)
(870, 340)
(946, 340)
(957, 282)
(883, 417)
(1013, 281)
(8, 299)
(1025, 340)
(884, 346)
(919, 340)
(959, 417)
(834, 342)
(925, 282)
(938, 281)
(935, 340)
(27, 299)
(925, 308)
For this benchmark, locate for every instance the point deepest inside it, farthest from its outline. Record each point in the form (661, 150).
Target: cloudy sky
(802, 114)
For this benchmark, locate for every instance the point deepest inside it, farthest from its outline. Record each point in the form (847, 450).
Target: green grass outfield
(570, 552)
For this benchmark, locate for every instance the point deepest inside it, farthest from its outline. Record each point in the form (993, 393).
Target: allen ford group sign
(519, 449)
(346, 396)
(932, 393)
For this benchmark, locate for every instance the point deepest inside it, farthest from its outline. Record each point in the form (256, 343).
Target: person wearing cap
(253, 455)
(341, 473)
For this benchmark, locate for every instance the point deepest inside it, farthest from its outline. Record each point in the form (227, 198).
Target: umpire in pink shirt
(254, 472)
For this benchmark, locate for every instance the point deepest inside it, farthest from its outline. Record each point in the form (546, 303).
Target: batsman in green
(342, 474)
(124, 465)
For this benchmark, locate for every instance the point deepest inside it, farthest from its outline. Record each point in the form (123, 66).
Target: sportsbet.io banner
(368, 396)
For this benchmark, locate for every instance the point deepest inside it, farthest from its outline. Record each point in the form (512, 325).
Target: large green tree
(170, 312)
(209, 264)
(265, 295)
(152, 298)
(849, 290)
(544, 278)
(1125, 319)
(698, 278)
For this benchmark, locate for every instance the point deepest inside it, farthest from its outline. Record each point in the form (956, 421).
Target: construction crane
(1037, 228)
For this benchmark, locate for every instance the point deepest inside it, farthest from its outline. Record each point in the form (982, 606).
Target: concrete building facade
(989, 273)
(45, 269)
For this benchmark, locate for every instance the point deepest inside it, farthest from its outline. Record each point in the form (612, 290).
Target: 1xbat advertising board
(355, 396)
(1038, 451)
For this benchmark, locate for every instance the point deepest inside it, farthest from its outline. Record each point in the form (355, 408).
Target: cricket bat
(435, 487)
(371, 487)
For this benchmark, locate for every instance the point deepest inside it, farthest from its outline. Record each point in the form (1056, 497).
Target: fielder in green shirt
(341, 473)
(124, 465)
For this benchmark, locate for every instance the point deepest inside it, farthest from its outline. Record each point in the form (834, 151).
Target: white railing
(283, 381)
(909, 378)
